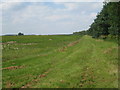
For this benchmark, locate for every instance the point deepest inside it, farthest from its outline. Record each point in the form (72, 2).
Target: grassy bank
(59, 62)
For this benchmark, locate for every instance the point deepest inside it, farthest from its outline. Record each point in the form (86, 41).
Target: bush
(19, 34)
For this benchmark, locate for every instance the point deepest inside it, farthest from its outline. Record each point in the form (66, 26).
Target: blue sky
(48, 17)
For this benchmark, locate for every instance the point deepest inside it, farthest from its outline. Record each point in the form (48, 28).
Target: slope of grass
(59, 62)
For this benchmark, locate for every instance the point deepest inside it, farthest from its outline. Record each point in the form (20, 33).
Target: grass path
(82, 63)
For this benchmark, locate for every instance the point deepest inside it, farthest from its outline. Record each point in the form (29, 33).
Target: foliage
(80, 33)
(19, 34)
(106, 22)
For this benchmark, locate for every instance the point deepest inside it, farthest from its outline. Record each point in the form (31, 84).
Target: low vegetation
(59, 61)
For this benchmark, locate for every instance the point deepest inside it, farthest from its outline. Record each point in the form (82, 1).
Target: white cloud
(8, 5)
(77, 0)
(98, 5)
(53, 0)
(32, 11)
(93, 14)
(57, 17)
(59, 0)
(71, 6)
(41, 18)
(43, 13)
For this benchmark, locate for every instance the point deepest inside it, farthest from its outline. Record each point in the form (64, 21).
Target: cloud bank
(48, 17)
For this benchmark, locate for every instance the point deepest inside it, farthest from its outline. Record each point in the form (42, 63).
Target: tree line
(106, 23)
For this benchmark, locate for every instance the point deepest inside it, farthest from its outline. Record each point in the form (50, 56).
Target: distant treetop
(19, 34)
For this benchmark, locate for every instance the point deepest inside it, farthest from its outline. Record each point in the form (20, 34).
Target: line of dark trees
(107, 22)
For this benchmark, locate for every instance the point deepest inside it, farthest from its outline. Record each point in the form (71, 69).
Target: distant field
(59, 61)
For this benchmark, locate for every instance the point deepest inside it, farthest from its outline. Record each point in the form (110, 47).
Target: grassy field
(59, 62)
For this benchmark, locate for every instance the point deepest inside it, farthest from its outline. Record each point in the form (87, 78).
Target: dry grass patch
(109, 50)
(99, 40)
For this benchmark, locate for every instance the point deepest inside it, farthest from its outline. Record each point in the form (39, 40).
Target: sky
(45, 18)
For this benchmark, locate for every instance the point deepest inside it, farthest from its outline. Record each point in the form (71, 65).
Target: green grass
(59, 62)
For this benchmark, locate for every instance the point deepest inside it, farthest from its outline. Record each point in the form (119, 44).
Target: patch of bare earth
(28, 85)
(72, 43)
(14, 42)
(9, 42)
(69, 45)
(12, 67)
(9, 85)
(27, 43)
(62, 49)
(87, 77)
